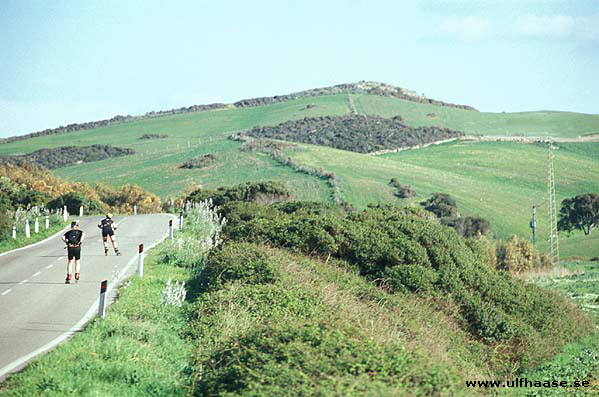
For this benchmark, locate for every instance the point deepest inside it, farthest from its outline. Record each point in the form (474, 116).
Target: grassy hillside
(499, 181)
(535, 124)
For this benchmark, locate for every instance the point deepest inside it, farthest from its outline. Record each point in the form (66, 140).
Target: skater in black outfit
(108, 227)
(73, 239)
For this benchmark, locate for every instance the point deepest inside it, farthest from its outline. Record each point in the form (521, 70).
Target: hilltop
(362, 87)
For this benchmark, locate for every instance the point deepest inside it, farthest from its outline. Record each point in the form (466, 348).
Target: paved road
(37, 309)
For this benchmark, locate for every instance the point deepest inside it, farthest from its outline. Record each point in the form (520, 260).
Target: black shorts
(74, 253)
(109, 232)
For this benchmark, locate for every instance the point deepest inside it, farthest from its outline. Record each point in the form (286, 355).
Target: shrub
(404, 250)
(259, 192)
(470, 226)
(357, 133)
(199, 162)
(237, 262)
(123, 199)
(153, 136)
(67, 155)
(75, 200)
(6, 222)
(402, 191)
(273, 359)
(518, 255)
(442, 205)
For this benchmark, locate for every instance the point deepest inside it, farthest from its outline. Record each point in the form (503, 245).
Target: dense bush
(402, 191)
(442, 205)
(14, 196)
(237, 262)
(153, 136)
(275, 359)
(471, 226)
(402, 249)
(199, 162)
(6, 222)
(363, 134)
(123, 199)
(446, 209)
(260, 192)
(67, 155)
(73, 201)
(518, 255)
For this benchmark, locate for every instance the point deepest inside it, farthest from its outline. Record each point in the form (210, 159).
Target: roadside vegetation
(316, 299)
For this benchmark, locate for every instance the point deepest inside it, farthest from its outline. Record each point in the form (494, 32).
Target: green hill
(497, 180)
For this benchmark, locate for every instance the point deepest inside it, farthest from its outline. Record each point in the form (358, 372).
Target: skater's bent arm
(82, 237)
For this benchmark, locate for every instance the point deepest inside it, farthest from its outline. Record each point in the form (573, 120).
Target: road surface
(38, 310)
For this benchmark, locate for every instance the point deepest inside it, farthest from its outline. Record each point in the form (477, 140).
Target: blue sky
(74, 61)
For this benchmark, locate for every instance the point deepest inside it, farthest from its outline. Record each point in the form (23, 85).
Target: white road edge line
(36, 274)
(23, 282)
(77, 327)
(7, 291)
(49, 266)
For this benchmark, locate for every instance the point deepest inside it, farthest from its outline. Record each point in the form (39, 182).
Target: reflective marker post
(14, 232)
(36, 226)
(65, 213)
(47, 222)
(170, 229)
(140, 261)
(135, 209)
(27, 229)
(102, 307)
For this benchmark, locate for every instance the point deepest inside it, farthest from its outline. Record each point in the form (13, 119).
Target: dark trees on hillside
(446, 209)
(442, 205)
(580, 212)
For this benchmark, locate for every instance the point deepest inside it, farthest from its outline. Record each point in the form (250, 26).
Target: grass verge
(21, 241)
(139, 348)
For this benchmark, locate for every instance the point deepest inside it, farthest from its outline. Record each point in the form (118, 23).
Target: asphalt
(38, 310)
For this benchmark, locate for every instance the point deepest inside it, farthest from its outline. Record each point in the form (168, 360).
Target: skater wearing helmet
(108, 227)
(73, 239)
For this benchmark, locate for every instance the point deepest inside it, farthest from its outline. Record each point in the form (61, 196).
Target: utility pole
(553, 237)
(533, 225)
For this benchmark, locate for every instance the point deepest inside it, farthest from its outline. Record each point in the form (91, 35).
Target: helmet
(75, 223)
(108, 215)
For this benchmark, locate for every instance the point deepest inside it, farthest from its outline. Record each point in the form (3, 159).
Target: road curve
(37, 309)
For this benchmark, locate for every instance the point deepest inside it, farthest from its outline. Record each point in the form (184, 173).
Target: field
(497, 180)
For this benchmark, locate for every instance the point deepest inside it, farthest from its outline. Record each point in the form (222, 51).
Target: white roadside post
(14, 232)
(140, 261)
(170, 229)
(47, 222)
(36, 225)
(65, 213)
(135, 209)
(81, 210)
(27, 229)
(102, 306)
